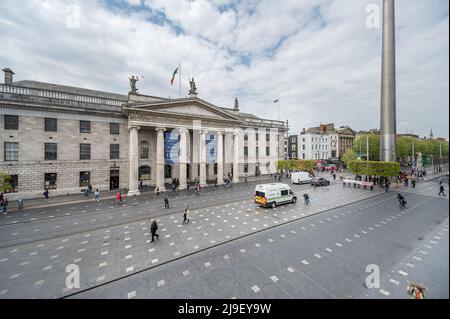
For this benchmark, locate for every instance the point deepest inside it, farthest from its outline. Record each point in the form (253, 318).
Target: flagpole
(180, 78)
(278, 109)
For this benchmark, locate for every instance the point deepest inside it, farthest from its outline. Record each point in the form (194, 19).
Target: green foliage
(303, 165)
(404, 147)
(349, 156)
(4, 182)
(374, 168)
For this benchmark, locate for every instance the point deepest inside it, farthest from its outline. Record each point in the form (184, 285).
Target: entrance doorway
(114, 179)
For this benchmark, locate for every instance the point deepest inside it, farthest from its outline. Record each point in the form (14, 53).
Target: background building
(293, 147)
(325, 142)
(64, 138)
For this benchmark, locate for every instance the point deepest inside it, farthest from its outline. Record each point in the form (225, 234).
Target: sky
(320, 58)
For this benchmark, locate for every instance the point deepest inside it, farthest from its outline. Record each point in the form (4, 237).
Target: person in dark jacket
(153, 229)
(441, 191)
(166, 202)
(45, 194)
(5, 206)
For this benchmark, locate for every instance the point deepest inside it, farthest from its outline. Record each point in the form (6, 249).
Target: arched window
(144, 150)
(145, 172)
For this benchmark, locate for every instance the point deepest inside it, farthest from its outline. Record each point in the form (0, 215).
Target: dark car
(320, 181)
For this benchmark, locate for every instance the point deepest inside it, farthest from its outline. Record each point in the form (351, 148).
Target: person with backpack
(153, 229)
(306, 198)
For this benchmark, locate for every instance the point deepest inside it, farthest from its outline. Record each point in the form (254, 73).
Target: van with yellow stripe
(271, 195)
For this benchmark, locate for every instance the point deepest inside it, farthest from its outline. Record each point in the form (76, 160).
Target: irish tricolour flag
(173, 76)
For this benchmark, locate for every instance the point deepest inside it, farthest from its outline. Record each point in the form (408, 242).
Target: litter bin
(20, 204)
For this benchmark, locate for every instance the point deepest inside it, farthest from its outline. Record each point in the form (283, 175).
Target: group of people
(88, 190)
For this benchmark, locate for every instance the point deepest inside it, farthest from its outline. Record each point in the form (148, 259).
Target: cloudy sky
(319, 57)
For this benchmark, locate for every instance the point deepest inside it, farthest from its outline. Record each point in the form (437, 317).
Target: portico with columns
(189, 120)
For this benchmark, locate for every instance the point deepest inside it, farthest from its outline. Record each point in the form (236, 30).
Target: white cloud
(317, 56)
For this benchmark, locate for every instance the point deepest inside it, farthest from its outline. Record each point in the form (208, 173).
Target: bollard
(20, 204)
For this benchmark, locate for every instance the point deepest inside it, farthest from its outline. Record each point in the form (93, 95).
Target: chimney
(8, 76)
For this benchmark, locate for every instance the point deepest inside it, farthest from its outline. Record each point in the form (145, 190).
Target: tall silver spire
(388, 129)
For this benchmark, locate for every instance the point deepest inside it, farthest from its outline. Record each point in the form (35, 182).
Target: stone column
(202, 149)
(183, 158)
(160, 159)
(219, 158)
(236, 158)
(133, 187)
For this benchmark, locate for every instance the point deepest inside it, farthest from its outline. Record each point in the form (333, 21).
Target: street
(292, 251)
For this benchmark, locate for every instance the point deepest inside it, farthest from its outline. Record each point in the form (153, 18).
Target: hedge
(374, 168)
(303, 165)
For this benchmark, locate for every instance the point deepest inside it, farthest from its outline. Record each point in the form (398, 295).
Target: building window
(51, 152)
(85, 151)
(294, 140)
(85, 178)
(145, 172)
(303, 155)
(144, 150)
(294, 148)
(114, 128)
(13, 182)
(245, 151)
(257, 136)
(267, 137)
(85, 127)
(215, 168)
(51, 124)
(245, 168)
(245, 137)
(11, 122)
(257, 151)
(11, 151)
(167, 171)
(50, 180)
(267, 151)
(267, 167)
(294, 155)
(114, 151)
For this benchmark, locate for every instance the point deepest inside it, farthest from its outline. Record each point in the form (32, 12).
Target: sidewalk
(105, 195)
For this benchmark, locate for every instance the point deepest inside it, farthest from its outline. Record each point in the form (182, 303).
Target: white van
(301, 178)
(271, 195)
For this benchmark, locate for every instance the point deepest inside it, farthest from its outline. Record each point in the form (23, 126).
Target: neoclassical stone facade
(64, 138)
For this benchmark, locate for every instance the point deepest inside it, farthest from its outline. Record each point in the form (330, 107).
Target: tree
(349, 156)
(374, 168)
(4, 182)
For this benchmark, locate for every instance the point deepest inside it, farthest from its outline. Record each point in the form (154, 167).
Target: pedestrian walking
(89, 188)
(153, 229)
(118, 198)
(157, 191)
(86, 192)
(186, 215)
(334, 176)
(45, 193)
(5, 206)
(166, 202)
(97, 195)
(140, 184)
(441, 191)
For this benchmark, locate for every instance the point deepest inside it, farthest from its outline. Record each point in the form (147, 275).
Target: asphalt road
(293, 251)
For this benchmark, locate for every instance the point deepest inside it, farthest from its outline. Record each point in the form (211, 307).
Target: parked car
(320, 181)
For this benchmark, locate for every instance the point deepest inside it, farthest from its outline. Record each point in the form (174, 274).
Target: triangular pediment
(192, 107)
